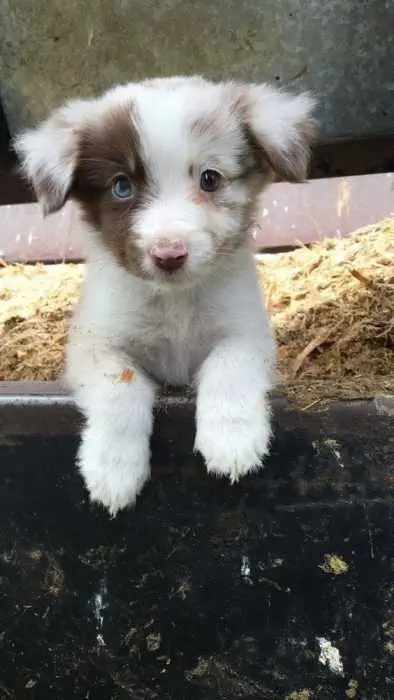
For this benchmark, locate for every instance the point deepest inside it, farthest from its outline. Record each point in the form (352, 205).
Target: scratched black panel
(204, 591)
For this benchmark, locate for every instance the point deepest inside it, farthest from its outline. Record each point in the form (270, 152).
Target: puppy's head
(168, 171)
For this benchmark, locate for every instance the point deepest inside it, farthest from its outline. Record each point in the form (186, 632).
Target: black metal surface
(204, 591)
(5, 154)
(13, 188)
(350, 156)
(337, 159)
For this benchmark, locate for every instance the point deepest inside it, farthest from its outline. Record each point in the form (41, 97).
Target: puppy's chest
(173, 339)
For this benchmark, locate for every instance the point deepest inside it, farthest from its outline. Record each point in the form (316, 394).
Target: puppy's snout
(169, 255)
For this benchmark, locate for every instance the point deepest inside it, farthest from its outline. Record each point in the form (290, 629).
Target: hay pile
(36, 302)
(333, 310)
(332, 306)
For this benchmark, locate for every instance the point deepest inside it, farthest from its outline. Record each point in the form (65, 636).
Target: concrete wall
(341, 49)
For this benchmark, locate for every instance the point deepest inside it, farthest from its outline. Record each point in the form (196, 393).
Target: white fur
(209, 328)
(279, 123)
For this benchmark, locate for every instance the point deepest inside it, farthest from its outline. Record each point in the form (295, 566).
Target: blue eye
(122, 187)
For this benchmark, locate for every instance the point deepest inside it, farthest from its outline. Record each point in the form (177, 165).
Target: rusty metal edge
(32, 408)
(290, 215)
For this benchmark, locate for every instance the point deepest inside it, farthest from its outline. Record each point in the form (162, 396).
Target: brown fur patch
(127, 375)
(109, 148)
(291, 166)
(288, 166)
(51, 196)
(251, 165)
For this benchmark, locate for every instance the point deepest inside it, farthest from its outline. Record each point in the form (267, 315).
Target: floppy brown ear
(281, 128)
(49, 153)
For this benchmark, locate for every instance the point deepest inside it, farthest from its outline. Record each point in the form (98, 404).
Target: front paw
(114, 469)
(233, 447)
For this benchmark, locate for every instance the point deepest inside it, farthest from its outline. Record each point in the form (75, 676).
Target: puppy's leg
(117, 399)
(233, 414)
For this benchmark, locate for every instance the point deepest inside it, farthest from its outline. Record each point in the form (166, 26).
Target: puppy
(167, 175)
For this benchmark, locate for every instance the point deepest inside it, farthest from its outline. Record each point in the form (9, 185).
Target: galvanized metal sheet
(342, 50)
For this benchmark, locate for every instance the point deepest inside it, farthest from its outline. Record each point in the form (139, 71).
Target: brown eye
(210, 180)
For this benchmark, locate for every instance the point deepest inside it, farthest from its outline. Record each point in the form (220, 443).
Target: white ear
(282, 128)
(49, 153)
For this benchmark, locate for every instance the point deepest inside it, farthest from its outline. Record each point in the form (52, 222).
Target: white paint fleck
(292, 226)
(100, 640)
(30, 238)
(330, 656)
(275, 202)
(334, 447)
(245, 570)
(99, 605)
(286, 209)
(265, 212)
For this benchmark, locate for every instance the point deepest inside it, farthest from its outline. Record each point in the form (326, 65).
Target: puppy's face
(167, 172)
